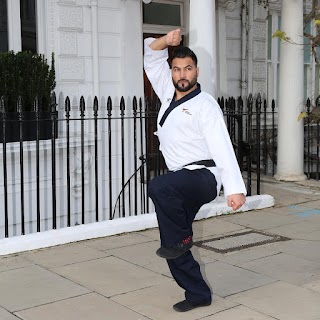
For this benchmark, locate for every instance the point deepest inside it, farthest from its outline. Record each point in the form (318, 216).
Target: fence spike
(109, 106)
(67, 105)
(222, 103)
(53, 102)
(308, 106)
(19, 104)
(147, 104)
(36, 104)
(82, 105)
(258, 102)
(95, 105)
(122, 106)
(134, 104)
(2, 107)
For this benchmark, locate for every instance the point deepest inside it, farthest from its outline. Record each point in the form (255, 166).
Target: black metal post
(53, 159)
(95, 112)
(122, 109)
(19, 109)
(67, 110)
(4, 161)
(82, 109)
(109, 109)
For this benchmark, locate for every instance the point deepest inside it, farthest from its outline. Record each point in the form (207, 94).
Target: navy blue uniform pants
(177, 197)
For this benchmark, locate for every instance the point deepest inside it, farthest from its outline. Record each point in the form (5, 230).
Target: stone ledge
(122, 225)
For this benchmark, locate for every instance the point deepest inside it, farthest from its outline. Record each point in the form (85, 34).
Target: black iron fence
(98, 160)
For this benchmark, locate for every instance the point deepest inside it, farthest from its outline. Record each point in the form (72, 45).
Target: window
(273, 56)
(3, 26)
(162, 14)
(28, 25)
(311, 70)
(18, 34)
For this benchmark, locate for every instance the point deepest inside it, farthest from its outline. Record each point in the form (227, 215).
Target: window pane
(3, 26)
(307, 46)
(28, 25)
(269, 36)
(162, 14)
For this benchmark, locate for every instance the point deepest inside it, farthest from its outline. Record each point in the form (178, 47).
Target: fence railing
(99, 158)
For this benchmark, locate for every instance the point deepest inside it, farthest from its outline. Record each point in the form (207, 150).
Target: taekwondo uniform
(189, 130)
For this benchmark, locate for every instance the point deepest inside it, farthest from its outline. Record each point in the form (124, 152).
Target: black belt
(206, 163)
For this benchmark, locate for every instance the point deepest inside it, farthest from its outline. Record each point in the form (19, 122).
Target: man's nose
(182, 74)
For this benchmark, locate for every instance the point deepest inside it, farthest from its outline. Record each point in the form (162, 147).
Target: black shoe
(176, 250)
(186, 305)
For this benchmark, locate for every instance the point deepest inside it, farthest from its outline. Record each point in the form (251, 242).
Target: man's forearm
(172, 38)
(159, 43)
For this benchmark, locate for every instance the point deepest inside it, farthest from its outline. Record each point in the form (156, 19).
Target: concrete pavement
(121, 278)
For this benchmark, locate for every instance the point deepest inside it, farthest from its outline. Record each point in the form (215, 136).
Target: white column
(95, 48)
(290, 158)
(202, 41)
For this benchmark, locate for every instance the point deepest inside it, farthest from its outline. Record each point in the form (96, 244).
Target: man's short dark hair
(184, 52)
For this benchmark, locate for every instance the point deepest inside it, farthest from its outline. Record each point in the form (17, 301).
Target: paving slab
(152, 233)
(90, 306)
(6, 315)
(314, 285)
(262, 220)
(63, 255)
(282, 301)
(285, 267)
(33, 286)
(312, 204)
(225, 279)
(117, 241)
(239, 313)
(13, 261)
(298, 230)
(213, 227)
(110, 276)
(156, 303)
(312, 236)
(144, 255)
(308, 250)
(286, 210)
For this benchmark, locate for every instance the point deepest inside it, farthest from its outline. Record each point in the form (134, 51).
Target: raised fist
(173, 38)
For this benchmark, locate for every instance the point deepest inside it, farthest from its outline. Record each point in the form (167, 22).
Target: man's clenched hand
(235, 201)
(173, 38)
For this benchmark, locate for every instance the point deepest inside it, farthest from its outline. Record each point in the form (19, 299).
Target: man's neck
(180, 94)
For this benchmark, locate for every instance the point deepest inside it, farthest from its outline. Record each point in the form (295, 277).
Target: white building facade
(98, 48)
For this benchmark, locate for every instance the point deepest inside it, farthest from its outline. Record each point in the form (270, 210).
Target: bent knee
(157, 187)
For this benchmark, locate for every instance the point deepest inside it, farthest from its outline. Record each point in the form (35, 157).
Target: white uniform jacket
(194, 130)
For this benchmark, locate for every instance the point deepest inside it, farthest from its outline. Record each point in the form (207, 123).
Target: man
(198, 152)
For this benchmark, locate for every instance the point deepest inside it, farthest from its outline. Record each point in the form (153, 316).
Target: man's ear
(197, 71)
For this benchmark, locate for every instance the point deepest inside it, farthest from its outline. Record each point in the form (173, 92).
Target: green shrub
(28, 75)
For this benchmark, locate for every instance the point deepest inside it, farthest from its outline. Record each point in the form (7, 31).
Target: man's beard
(187, 87)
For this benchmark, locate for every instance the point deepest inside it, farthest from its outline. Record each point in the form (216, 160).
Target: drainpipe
(95, 47)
